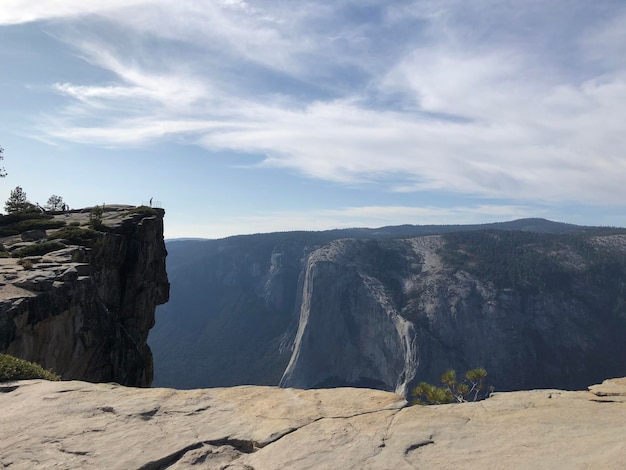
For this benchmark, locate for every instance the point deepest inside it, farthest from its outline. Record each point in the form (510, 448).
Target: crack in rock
(240, 445)
(418, 445)
(274, 438)
(76, 452)
(187, 413)
(170, 459)
(243, 446)
(391, 421)
(147, 415)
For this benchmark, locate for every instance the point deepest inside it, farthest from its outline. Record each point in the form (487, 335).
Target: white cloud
(25, 11)
(496, 119)
(131, 132)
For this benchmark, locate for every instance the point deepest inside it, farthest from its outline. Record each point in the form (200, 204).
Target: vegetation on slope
(28, 219)
(533, 261)
(38, 249)
(74, 235)
(12, 368)
(143, 210)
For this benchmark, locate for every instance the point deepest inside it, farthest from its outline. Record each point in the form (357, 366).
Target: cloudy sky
(254, 116)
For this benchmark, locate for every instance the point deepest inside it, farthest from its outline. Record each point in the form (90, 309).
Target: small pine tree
(55, 203)
(427, 394)
(95, 217)
(17, 201)
(471, 388)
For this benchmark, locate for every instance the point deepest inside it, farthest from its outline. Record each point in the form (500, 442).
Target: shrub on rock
(471, 388)
(12, 368)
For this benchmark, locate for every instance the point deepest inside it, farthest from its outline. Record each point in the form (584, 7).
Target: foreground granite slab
(83, 425)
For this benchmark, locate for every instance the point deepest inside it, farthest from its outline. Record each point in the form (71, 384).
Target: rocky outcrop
(82, 425)
(85, 310)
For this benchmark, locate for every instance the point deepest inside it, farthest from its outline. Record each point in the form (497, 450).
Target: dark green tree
(17, 201)
(95, 217)
(471, 388)
(55, 203)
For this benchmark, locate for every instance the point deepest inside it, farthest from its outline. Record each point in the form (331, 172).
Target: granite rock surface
(84, 425)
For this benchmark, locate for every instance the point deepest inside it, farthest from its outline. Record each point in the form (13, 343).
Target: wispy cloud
(25, 11)
(481, 98)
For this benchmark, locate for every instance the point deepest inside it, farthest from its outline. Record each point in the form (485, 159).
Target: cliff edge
(82, 425)
(80, 301)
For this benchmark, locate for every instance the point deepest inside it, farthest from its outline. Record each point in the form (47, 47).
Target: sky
(258, 116)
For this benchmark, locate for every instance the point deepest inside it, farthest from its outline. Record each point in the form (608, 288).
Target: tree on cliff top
(17, 201)
(55, 203)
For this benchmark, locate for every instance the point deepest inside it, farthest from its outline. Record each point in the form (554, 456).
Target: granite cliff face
(536, 309)
(390, 313)
(350, 331)
(85, 310)
(232, 304)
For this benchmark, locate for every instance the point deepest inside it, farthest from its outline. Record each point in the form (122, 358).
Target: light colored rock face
(85, 312)
(390, 313)
(81, 425)
(350, 332)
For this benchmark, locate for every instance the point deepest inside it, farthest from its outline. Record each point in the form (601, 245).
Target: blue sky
(256, 116)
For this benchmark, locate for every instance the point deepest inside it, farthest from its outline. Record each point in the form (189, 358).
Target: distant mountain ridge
(539, 303)
(409, 230)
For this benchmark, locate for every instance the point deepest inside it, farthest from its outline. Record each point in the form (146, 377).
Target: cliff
(305, 309)
(231, 314)
(82, 425)
(390, 313)
(350, 331)
(84, 303)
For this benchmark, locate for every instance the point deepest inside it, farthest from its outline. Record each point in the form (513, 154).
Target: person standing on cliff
(150, 202)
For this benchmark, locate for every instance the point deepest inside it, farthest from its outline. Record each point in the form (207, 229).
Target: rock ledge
(83, 425)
